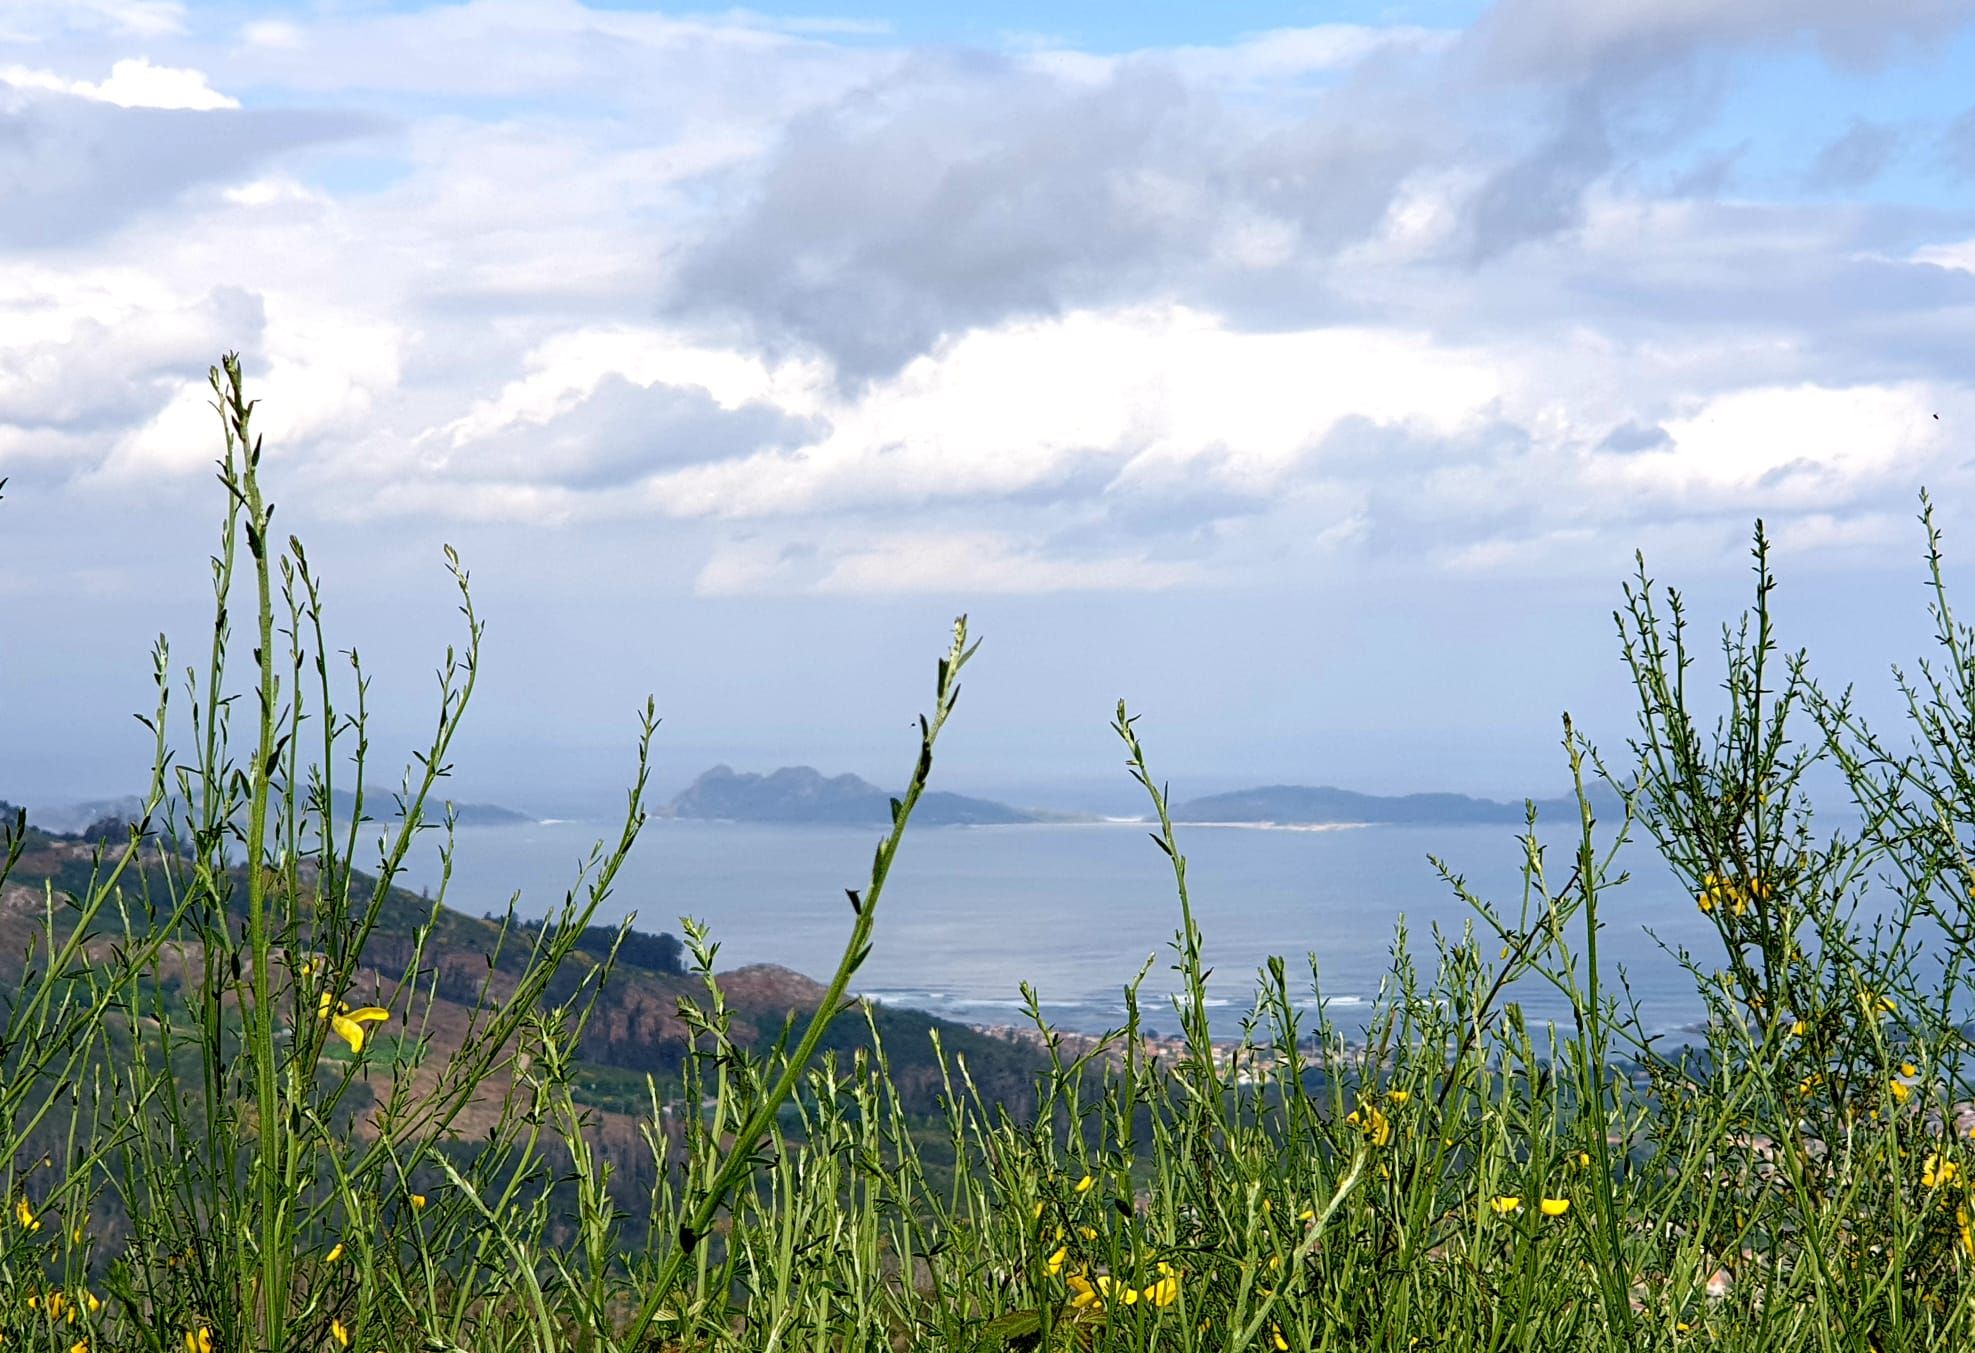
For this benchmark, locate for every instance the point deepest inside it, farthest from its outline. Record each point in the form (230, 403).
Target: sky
(1307, 375)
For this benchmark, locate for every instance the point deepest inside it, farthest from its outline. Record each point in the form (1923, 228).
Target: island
(803, 794)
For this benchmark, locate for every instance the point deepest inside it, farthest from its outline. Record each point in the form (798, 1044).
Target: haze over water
(1075, 910)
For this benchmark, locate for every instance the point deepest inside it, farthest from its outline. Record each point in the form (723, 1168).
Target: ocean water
(1076, 910)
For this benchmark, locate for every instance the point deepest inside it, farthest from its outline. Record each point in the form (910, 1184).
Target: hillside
(635, 1030)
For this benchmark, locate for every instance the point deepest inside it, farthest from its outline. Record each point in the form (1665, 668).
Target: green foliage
(251, 1099)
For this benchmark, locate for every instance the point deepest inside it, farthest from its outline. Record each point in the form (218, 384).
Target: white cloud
(959, 562)
(1105, 322)
(45, 20)
(1959, 255)
(1274, 56)
(1804, 446)
(275, 33)
(132, 83)
(321, 371)
(567, 369)
(1152, 394)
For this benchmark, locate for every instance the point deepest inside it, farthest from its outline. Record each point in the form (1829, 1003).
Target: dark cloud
(1852, 160)
(1543, 193)
(1568, 39)
(1956, 146)
(962, 192)
(1635, 437)
(72, 169)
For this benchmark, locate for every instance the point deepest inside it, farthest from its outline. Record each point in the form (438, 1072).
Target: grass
(224, 1127)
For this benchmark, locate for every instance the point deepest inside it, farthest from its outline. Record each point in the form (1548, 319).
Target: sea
(1078, 910)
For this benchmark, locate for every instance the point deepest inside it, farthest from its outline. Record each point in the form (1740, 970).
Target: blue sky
(1308, 375)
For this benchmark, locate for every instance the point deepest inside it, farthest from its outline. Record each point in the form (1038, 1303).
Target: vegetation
(229, 1119)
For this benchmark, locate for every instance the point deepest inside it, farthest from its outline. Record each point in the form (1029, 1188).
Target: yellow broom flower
(347, 1023)
(1372, 1122)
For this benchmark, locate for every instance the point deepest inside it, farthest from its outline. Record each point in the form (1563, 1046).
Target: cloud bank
(849, 315)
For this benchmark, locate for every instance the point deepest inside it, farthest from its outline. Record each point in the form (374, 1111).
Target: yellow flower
(1734, 894)
(1085, 1184)
(1282, 1344)
(335, 1253)
(199, 1341)
(1966, 1225)
(338, 1333)
(92, 1301)
(1909, 1069)
(1799, 1029)
(1504, 1204)
(1054, 1264)
(79, 1346)
(1037, 1214)
(1166, 1290)
(347, 1023)
(1399, 1097)
(1162, 1292)
(1937, 1170)
(1554, 1207)
(1900, 1090)
(417, 1202)
(1583, 1160)
(25, 1214)
(1370, 1120)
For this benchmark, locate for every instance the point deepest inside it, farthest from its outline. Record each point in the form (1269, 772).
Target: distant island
(109, 819)
(1326, 805)
(805, 794)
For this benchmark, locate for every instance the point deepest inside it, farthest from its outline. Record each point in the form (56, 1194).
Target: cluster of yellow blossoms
(61, 1306)
(1105, 1290)
(1372, 1121)
(1731, 895)
(1938, 1171)
(1503, 1204)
